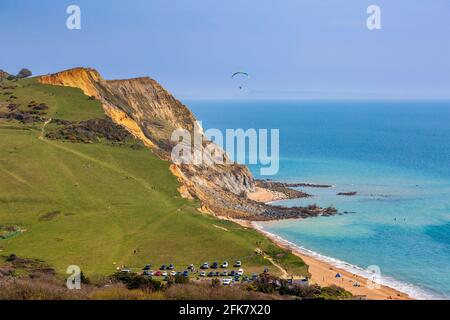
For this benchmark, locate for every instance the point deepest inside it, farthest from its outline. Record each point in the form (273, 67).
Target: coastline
(323, 269)
(324, 273)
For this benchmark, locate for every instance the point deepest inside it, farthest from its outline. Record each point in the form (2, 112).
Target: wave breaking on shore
(411, 290)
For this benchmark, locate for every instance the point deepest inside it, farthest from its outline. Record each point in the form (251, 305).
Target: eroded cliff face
(151, 114)
(3, 74)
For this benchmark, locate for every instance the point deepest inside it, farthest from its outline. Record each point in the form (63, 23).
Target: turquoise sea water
(394, 154)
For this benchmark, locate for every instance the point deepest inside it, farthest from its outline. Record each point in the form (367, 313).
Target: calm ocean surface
(394, 154)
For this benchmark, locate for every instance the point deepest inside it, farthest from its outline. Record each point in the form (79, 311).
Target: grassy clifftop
(100, 205)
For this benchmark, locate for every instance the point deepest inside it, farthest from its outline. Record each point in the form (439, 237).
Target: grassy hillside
(97, 204)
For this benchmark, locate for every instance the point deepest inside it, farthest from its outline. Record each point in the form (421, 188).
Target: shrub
(24, 73)
(135, 281)
(215, 283)
(180, 279)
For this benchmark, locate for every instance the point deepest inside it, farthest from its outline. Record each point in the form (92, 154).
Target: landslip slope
(150, 113)
(106, 202)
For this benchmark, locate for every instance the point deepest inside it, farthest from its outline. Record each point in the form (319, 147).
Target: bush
(135, 281)
(215, 283)
(180, 279)
(265, 284)
(24, 73)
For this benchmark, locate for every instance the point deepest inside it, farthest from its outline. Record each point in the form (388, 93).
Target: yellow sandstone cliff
(151, 114)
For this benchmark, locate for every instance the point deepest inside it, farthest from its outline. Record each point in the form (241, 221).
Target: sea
(394, 154)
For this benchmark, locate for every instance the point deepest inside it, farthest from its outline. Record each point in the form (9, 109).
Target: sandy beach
(265, 195)
(323, 273)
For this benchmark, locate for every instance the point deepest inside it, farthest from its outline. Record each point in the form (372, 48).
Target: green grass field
(94, 205)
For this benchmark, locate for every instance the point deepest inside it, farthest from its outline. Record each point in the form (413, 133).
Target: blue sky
(291, 48)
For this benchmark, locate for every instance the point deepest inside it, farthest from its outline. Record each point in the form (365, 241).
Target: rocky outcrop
(150, 113)
(3, 74)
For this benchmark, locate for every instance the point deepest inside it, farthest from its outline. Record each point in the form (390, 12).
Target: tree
(24, 73)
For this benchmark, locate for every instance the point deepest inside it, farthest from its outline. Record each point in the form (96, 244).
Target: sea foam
(411, 290)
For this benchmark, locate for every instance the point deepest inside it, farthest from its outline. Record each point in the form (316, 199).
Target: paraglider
(240, 75)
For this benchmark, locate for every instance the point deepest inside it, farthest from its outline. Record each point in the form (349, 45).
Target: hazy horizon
(291, 49)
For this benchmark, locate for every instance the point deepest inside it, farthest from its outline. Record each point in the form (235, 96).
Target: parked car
(203, 274)
(147, 267)
(217, 274)
(163, 267)
(215, 265)
(205, 265)
(158, 273)
(224, 273)
(226, 281)
(171, 267)
(211, 274)
(240, 272)
(238, 264)
(254, 276)
(185, 273)
(173, 273)
(225, 264)
(164, 273)
(191, 267)
(232, 273)
(236, 278)
(125, 270)
(149, 273)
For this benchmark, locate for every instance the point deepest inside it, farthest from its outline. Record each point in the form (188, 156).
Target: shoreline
(323, 269)
(324, 273)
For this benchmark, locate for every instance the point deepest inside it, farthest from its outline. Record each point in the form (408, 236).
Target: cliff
(150, 113)
(3, 74)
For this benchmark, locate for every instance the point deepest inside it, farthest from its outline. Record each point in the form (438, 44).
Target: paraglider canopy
(240, 77)
(240, 73)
